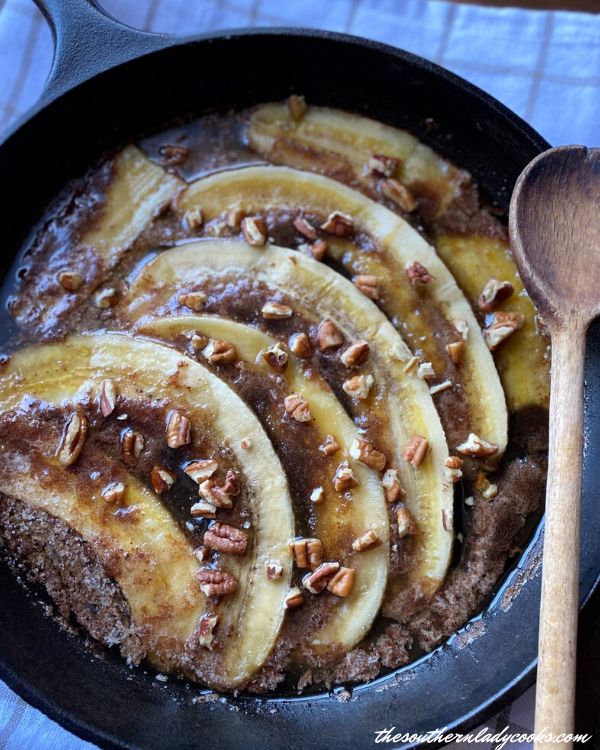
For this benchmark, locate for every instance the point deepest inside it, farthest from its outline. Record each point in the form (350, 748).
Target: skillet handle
(88, 41)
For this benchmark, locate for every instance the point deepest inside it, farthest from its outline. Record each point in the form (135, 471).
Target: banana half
(430, 317)
(338, 520)
(341, 145)
(400, 405)
(139, 542)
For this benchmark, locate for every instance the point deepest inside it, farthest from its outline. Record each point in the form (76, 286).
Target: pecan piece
(399, 194)
(297, 407)
(206, 626)
(305, 228)
(329, 446)
(274, 570)
(338, 224)
(344, 478)
(483, 485)
(307, 552)
(202, 553)
(130, 514)
(318, 249)
(316, 581)
(342, 582)
(405, 522)
(294, 598)
(192, 300)
(74, 439)
(194, 218)
(273, 310)
(355, 354)
(234, 217)
(70, 280)
(329, 335)
(382, 166)
(502, 325)
(425, 371)
(456, 351)
(369, 540)
(452, 468)
(416, 450)
(114, 492)
(418, 274)
(365, 452)
(216, 582)
(162, 479)
(254, 230)
(493, 294)
(220, 352)
(300, 345)
(358, 387)
(203, 509)
(132, 444)
(368, 285)
(105, 298)
(476, 446)
(201, 469)
(276, 357)
(220, 495)
(108, 397)
(227, 539)
(179, 430)
(392, 486)
(439, 387)
(297, 107)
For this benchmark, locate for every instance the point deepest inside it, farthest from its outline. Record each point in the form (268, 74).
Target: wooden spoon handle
(555, 697)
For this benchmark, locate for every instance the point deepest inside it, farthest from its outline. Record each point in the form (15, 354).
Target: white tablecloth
(543, 65)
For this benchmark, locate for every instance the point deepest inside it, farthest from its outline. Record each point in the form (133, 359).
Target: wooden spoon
(555, 237)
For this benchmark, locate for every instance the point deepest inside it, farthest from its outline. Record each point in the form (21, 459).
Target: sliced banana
(153, 562)
(428, 318)
(338, 521)
(403, 401)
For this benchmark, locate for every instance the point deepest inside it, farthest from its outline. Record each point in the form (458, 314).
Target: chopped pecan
(70, 281)
(114, 492)
(439, 387)
(220, 352)
(294, 598)
(297, 407)
(416, 450)
(369, 540)
(483, 485)
(425, 371)
(405, 522)
(476, 446)
(162, 479)
(203, 509)
(194, 218)
(273, 310)
(318, 249)
(342, 582)
(399, 194)
(193, 300)
(225, 538)
(418, 274)
(305, 227)
(317, 495)
(276, 357)
(202, 553)
(198, 341)
(216, 582)
(316, 581)
(297, 107)
(206, 625)
(74, 439)
(365, 452)
(307, 552)
(355, 354)
(213, 494)
(132, 444)
(502, 325)
(452, 468)
(344, 478)
(105, 298)
(392, 486)
(179, 430)
(456, 351)
(254, 230)
(201, 469)
(274, 570)
(359, 386)
(108, 397)
(329, 335)
(382, 166)
(299, 344)
(130, 514)
(368, 285)
(234, 217)
(339, 224)
(494, 293)
(329, 446)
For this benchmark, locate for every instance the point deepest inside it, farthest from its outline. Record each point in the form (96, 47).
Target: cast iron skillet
(109, 84)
